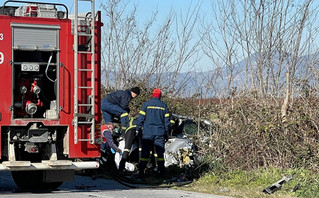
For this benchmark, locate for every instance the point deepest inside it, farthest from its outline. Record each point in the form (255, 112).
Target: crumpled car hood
(179, 151)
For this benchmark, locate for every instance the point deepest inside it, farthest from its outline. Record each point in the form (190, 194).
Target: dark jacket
(121, 98)
(154, 118)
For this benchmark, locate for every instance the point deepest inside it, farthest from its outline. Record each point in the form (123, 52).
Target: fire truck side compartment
(35, 57)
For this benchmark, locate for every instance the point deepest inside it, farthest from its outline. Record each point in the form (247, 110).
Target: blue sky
(145, 8)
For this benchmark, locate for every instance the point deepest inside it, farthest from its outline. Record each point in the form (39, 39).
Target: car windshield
(190, 127)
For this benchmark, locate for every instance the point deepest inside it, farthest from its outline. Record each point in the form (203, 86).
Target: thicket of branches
(250, 133)
(264, 109)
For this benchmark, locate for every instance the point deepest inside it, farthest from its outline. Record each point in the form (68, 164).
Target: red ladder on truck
(83, 26)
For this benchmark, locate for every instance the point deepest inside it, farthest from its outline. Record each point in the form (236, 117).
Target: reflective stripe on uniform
(130, 128)
(154, 107)
(160, 159)
(142, 112)
(166, 115)
(127, 150)
(124, 114)
(130, 125)
(144, 159)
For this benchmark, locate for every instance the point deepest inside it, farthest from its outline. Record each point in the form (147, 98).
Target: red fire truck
(50, 91)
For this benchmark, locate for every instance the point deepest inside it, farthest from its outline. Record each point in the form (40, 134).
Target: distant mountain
(215, 82)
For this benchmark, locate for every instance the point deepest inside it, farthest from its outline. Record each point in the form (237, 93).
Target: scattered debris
(297, 187)
(277, 185)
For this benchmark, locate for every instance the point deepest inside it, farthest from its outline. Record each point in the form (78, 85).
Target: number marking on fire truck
(1, 54)
(1, 57)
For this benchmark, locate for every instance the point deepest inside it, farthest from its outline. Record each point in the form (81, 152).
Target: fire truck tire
(33, 180)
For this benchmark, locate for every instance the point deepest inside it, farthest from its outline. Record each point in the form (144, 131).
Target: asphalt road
(84, 186)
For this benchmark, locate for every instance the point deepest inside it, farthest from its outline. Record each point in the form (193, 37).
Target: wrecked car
(179, 148)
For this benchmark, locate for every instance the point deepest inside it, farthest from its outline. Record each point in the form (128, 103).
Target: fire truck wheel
(52, 185)
(32, 180)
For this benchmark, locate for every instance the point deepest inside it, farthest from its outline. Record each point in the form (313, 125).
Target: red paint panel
(5, 74)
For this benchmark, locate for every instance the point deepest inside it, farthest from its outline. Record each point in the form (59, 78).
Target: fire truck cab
(50, 92)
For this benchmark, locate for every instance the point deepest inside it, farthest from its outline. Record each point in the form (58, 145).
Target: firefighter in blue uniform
(154, 118)
(117, 104)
